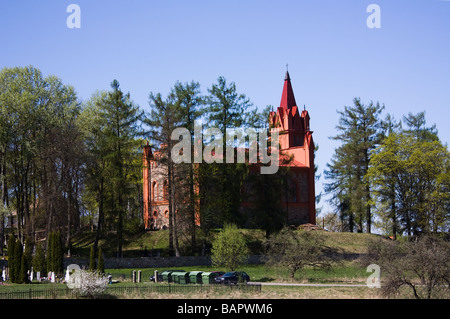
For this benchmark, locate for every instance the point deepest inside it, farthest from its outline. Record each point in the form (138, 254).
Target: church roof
(287, 97)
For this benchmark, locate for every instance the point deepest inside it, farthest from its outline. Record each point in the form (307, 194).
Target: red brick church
(295, 138)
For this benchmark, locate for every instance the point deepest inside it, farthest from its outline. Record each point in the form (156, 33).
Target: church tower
(296, 141)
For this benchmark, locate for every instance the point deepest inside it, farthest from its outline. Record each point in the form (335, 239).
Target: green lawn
(346, 273)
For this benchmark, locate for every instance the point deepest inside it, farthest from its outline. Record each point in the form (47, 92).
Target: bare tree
(296, 250)
(422, 265)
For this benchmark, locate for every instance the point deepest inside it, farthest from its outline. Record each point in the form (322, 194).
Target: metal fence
(48, 293)
(135, 290)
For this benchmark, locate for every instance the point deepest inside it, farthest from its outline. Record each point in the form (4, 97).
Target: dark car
(160, 276)
(233, 277)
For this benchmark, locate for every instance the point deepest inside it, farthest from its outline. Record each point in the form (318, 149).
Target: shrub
(229, 248)
(89, 283)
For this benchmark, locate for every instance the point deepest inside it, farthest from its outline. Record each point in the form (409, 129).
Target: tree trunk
(100, 216)
(172, 213)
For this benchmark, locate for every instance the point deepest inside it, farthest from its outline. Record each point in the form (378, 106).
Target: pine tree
(28, 252)
(120, 123)
(58, 254)
(360, 133)
(23, 276)
(163, 119)
(38, 260)
(226, 110)
(189, 104)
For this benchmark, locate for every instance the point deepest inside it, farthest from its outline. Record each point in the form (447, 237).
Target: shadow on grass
(265, 279)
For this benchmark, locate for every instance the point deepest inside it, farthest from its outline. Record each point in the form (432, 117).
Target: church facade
(295, 141)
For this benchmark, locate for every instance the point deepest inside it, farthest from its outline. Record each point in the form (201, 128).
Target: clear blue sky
(332, 55)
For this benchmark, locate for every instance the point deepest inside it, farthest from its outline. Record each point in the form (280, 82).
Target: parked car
(233, 277)
(160, 275)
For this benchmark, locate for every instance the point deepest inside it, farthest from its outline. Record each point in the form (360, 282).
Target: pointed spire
(287, 97)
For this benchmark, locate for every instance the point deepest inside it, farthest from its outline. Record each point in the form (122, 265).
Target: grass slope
(142, 243)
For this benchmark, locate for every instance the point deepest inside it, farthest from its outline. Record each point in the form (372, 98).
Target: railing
(48, 293)
(136, 289)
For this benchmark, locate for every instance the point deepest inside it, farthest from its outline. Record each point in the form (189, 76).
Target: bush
(89, 283)
(229, 248)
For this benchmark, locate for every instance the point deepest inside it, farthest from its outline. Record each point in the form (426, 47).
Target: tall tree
(226, 110)
(162, 120)
(121, 120)
(360, 132)
(39, 154)
(189, 103)
(96, 188)
(419, 173)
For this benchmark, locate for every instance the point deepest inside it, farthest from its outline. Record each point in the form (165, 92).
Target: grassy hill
(145, 243)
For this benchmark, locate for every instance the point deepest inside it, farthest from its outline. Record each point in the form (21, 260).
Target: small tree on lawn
(58, 254)
(229, 248)
(38, 260)
(296, 250)
(55, 253)
(23, 276)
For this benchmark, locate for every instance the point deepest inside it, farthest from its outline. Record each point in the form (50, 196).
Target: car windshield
(228, 274)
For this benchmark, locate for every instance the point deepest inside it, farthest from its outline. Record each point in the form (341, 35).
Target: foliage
(296, 250)
(40, 151)
(38, 260)
(229, 248)
(359, 132)
(411, 182)
(55, 253)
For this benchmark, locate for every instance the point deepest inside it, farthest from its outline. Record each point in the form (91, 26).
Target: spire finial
(287, 67)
